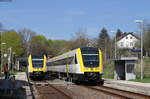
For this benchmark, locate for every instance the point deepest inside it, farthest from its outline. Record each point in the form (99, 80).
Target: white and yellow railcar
(81, 64)
(37, 66)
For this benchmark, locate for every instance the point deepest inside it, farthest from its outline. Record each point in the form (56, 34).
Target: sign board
(136, 50)
(5, 55)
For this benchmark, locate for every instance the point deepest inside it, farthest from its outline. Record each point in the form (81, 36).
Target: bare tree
(103, 42)
(80, 39)
(1, 26)
(26, 35)
(147, 40)
(93, 42)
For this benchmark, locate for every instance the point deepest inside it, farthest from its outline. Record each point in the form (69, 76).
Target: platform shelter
(22, 63)
(125, 68)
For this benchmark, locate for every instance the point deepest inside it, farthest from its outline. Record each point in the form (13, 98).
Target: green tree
(104, 43)
(103, 38)
(118, 33)
(39, 45)
(13, 40)
(1, 32)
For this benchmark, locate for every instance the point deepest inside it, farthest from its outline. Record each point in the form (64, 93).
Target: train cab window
(91, 60)
(37, 62)
(75, 59)
(90, 57)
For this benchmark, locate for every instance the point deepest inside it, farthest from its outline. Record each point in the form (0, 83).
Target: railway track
(49, 90)
(117, 93)
(45, 90)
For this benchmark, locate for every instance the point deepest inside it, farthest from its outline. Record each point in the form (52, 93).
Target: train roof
(83, 48)
(62, 54)
(37, 56)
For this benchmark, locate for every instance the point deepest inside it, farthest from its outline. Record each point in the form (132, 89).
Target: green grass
(110, 76)
(1, 75)
(13, 73)
(147, 60)
(145, 80)
(109, 70)
(24, 69)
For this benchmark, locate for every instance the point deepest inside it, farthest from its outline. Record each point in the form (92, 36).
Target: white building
(127, 40)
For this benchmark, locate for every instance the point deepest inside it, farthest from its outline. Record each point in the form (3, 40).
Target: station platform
(15, 87)
(137, 87)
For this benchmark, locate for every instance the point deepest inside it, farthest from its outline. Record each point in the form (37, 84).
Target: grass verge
(108, 70)
(145, 80)
(146, 60)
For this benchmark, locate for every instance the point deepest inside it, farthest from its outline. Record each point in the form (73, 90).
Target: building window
(131, 43)
(121, 44)
(126, 37)
(130, 68)
(130, 37)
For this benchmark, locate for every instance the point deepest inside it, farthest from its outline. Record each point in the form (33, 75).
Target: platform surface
(137, 87)
(19, 84)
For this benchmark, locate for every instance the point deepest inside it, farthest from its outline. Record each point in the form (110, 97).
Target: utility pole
(115, 44)
(141, 22)
(2, 54)
(10, 58)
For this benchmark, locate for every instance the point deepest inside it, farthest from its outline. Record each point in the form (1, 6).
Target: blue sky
(60, 19)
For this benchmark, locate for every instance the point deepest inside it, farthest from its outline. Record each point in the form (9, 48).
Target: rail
(31, 88)
(117, 92)
(44, 88)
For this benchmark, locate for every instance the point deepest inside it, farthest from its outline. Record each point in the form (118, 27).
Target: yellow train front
(37, 66)
(78, 65)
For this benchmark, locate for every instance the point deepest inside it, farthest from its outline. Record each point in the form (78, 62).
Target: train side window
(64, 61)
(70, 60)
(75, 60)
(48, 64)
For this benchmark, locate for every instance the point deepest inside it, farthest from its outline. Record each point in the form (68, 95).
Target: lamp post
(115, 43)
(13, 61)
(141, 22)
(2, 55)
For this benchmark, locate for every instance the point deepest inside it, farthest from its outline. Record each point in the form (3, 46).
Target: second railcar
(37, 66)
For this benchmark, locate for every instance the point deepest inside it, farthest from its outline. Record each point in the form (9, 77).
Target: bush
(108, 70)
(146, 60)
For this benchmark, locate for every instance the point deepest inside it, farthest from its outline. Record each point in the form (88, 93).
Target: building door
(130, 71)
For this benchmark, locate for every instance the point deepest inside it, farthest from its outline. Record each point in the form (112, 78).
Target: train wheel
(101, 82)
(70, 79)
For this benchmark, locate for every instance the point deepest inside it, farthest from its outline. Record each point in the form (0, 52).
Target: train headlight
(86, 68)
(92, 68)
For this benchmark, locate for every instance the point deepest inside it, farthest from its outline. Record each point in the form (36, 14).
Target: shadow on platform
(13, 89)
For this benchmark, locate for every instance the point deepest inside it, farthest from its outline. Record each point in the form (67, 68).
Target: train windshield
(90, 57)
(37, 61)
